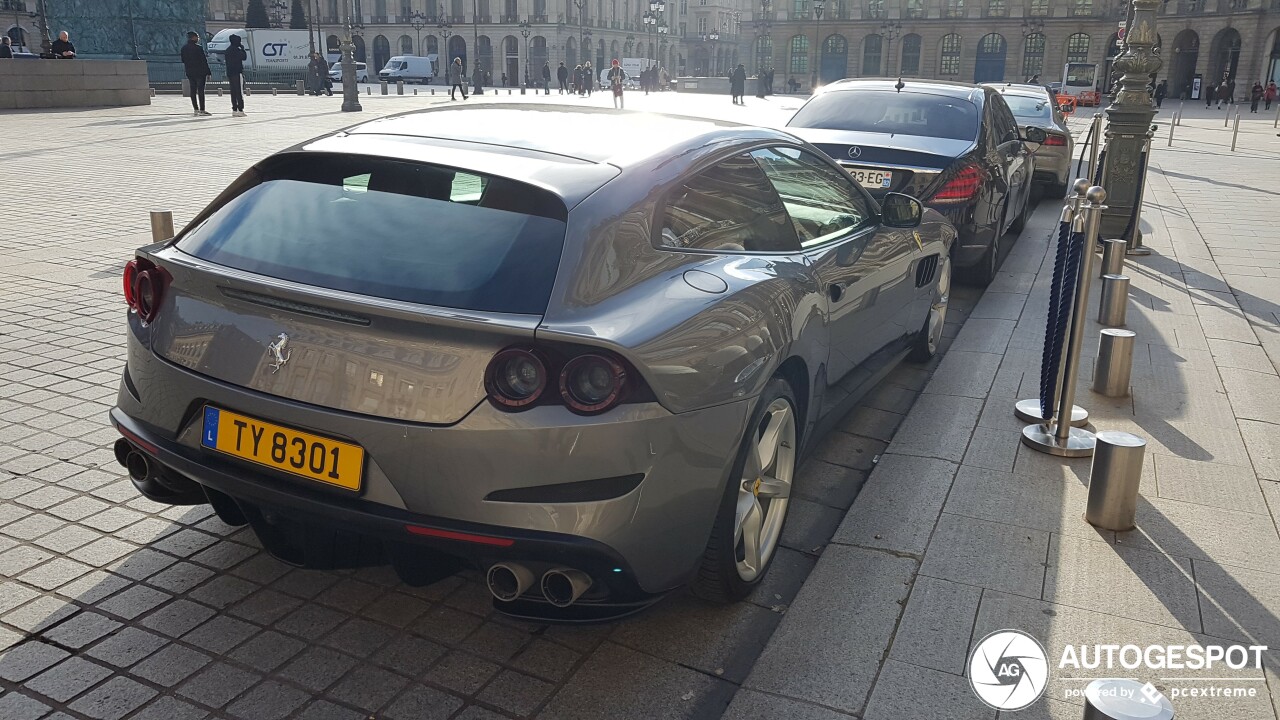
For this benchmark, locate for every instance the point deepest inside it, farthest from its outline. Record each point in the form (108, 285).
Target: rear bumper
(446, 477)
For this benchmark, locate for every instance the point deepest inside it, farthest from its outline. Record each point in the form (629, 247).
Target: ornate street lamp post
(350, 93)
(818, 7)
(1129, 121)
(42, 22)
(278, 9)
(419, 21)
(446, 29)
(890, 30)
(582, 8)
(763, 30)
(525, 30)
(478, 87)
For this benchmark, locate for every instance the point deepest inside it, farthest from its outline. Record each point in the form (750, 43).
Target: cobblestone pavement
(112, 606)
(961, 530)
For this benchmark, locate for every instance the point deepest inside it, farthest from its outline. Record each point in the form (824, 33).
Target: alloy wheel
(765, 489)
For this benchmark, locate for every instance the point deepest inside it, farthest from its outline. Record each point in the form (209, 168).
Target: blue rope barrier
(1066, 271)
(1084, 148)
(1102, 161)
(1048, 374)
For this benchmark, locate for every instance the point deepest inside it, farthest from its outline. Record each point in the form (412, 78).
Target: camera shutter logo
(1008, 670)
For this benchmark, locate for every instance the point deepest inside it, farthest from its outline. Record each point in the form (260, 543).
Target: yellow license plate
(293, 451)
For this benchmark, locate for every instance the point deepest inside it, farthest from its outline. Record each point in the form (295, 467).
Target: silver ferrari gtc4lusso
(580, 350)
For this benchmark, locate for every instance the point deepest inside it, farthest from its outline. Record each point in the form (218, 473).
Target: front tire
(925, 346)
(753, 510)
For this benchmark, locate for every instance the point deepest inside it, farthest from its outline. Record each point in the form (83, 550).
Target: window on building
(872, 51)
(1080, 8)
(911, 54)
(916, 9)
(799, 54)
(949, 60)
(1033, 55)
(1038, 8)
(702, 25)
(997, 8)
(953, 9)
(800, 8)
(1078, 48)
(875, 9)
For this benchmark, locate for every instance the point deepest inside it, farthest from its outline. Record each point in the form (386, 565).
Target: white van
(409, 68)
(335, 72)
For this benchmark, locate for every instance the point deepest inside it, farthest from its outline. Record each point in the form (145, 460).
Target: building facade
(812, 41)
(670, 32)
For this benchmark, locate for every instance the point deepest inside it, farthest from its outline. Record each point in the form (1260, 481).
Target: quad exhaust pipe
(560, 586)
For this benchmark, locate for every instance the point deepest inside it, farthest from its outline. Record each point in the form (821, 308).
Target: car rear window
(891, 113)
(1029, 108)
(397, 230)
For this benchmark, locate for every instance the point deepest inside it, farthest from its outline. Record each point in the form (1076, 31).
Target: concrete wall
(72, 83)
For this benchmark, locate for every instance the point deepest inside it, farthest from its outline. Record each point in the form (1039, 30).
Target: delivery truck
(274, 55)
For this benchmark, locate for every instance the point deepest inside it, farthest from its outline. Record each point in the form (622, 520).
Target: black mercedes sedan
(954, 146)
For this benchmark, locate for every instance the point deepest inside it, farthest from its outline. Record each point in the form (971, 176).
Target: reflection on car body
(588, 369)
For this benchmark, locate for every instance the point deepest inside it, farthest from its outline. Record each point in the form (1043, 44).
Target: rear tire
(729, 570)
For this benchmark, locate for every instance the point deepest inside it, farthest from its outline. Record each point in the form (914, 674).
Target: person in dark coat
(1255, 96)
(1161, 90)
(738, 84)
(62, 47)
(317, 71)
(617, 78)
(562, 74)
(455, 79)
(1210, 94)
(6, 51)
(588, 79)
(196, 66)
(236, 56)
(1225, 91)
(769, 84)
(546, 77)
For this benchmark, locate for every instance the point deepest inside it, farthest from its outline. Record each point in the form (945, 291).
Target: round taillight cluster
(590, 383)
(144, 286)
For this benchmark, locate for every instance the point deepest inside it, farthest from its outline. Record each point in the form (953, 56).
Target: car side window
(822, 202)
(729, 207)
(1006, 128)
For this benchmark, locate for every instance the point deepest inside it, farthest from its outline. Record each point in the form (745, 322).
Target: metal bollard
(219, 92)
(1113, 257)
(1170, 143)
(368, 90)
(433, 91)
(1114, 366)
(1124, 700)
(161, 225)
(273, 91)
(301, 87)
(1235, 132)
(384, 86)
(186, 87)
(153, 92)
(415, 92)
(1114, 301)
(1177, 119)
(1227, 119)
(399, 87)
(1114, 480)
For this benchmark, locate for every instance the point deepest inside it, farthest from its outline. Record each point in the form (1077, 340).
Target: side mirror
(900, 211)
(1034, 135)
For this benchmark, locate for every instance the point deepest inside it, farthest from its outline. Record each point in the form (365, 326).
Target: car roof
(966, 91)
(571, 151)
(1018, 88)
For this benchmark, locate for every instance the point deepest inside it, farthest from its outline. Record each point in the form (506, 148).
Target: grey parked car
(581, 350)
(1032, 105)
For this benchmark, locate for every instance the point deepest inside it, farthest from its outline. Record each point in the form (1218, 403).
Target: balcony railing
(379, 20)
(457, 19)
(510, 18)
(484, 19)
(537, 19)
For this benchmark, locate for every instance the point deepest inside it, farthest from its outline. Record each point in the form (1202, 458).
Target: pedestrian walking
(1269, 95)
(456, 83)
(588, 78)
(1224, 93)
(577, 80)
(236, 56)
(1210, 94)
(738, 84)
(546, 77)
(1255, 96)
(617, 77)
(769, 83)
(562, 74)
(317, 71)
(6, 52)
(196, 66)
(1161, 90)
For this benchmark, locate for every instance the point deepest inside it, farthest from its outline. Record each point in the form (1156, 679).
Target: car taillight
(592, 383)
(516, 377)
(144, 286)
(1056, 141)
(963, 186)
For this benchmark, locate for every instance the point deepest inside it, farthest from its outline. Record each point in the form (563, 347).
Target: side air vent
(926, 270)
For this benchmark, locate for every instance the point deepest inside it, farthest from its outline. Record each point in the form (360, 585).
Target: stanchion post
(1061, 438)
(1114, 365)
(1235, 132)
(161, 225)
